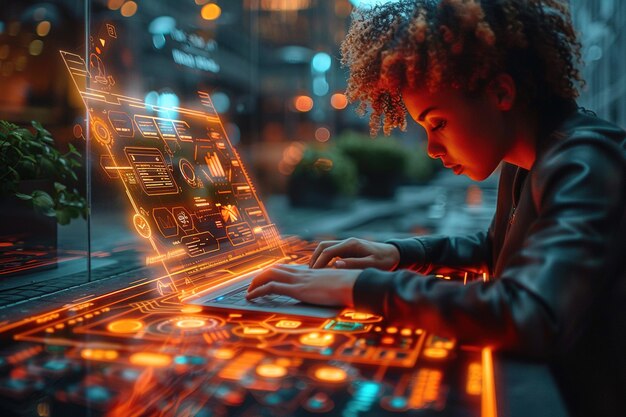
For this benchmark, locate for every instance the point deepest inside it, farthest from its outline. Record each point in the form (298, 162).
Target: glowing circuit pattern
(186, 184)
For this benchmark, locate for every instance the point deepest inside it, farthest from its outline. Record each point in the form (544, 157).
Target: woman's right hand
(355, 254)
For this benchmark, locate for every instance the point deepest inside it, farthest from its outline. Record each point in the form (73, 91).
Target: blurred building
(601, 27)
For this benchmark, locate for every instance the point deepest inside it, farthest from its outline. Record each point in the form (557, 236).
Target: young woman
(493, 82)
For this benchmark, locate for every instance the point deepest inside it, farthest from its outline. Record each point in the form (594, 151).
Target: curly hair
(461, 44)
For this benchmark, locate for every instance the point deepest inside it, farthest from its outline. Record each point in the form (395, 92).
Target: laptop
(190, 195)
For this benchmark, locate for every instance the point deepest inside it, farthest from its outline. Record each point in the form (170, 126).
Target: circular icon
(189, 174)
(142, 226)
(101, 132)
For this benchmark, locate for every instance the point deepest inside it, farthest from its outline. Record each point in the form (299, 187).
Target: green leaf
(63, 216)
(22, 196)
(43, 202)
(59, 187)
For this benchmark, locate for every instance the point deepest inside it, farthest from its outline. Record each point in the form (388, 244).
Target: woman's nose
(434, 149)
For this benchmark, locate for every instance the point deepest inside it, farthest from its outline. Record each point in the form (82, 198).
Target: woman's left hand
(330, 287)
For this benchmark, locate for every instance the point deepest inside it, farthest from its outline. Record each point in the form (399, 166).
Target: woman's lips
(458, 169)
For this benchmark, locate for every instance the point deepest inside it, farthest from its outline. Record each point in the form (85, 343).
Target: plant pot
(28, 240)
(379, 186)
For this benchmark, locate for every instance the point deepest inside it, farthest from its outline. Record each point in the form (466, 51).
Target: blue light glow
(321, 62)
(151, 100)
(221, 102)
(320, 86)
(162, 25)
(158, 41)
(169, 100)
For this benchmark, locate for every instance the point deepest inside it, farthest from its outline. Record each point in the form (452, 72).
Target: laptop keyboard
(238, 298)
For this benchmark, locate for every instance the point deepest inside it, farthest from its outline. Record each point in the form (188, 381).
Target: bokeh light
(43, 28)
(321, 62)
(339, 101)
(115, 4)
(322, 134)
(129, 9)
(303, 103)
(210, 11)
(35, 47)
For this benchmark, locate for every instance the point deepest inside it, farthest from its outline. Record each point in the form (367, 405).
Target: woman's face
(469, 135)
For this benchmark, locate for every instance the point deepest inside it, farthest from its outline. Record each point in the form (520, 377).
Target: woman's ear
(502, 91)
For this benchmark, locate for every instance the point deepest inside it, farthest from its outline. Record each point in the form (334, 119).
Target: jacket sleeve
(445, 255)
(546, 291)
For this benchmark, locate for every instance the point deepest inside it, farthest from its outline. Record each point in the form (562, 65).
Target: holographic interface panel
(190, 195)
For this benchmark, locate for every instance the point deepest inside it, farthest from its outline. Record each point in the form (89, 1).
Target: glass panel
(42, 160)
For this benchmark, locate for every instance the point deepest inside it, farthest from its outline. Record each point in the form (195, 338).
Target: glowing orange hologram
(271, 370)
(230, 213)
(488, 404)
(190, 323)
(288, 324)
(150, 359)
(215, 166)
(435, 353)
(254, 330)
(164, 288)
(330, 374)
(99, 354)
(190, 309)
(474, 384)
(101, 131)
(125, 326)
(426, 389)
(224, 353)
(142, 226)
(317, 339)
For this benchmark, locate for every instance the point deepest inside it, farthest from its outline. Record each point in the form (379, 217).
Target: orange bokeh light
(125, 326)
(339, 101)
(128, 9)
(322, 134)
(150, 359)
(303, 103)
(115, 4)
(210, 11)
(43, 28)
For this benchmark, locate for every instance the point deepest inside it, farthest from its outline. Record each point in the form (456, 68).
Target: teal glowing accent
(398, 402)
(365, 394)
(97, 394)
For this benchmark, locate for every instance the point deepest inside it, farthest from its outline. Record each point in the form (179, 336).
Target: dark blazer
(555, 254)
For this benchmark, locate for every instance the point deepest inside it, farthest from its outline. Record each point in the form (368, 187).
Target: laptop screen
(190, 195)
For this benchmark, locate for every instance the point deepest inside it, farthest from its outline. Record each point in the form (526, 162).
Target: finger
(274, 274)
(319, 249)
(355, 263)
(327, 254)
(273, 287)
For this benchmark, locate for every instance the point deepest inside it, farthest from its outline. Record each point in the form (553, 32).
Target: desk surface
(138, 352)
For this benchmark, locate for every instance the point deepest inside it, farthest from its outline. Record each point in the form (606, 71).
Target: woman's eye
(439, 125)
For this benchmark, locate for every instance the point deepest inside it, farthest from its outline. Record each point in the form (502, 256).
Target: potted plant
(37, 188)
(322, 178)
(381, 163)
